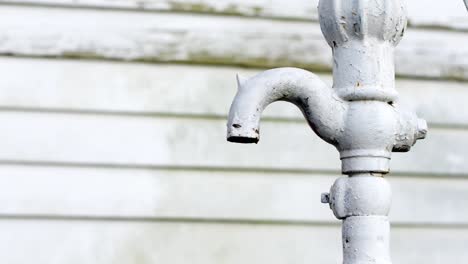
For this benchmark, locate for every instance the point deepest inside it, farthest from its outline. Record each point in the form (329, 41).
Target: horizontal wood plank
(166, 37)
(248, 196)
(163, 141)
(420, 12)
(179, 243)
(138, 88)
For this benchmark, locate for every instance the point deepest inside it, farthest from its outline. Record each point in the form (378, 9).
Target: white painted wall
(112, 117)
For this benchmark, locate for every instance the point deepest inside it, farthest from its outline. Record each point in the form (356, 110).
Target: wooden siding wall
(112, 116)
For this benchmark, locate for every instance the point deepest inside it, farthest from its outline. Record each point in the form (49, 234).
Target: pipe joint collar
(365, 160)
(358, 164)
(359, 195)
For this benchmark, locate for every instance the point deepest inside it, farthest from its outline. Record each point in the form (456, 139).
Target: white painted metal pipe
(358, 115)
(363, 202)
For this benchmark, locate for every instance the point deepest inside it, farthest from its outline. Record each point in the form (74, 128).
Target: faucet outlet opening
(243, 140)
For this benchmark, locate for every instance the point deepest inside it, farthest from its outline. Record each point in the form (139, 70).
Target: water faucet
(359, 115)
(323, 109)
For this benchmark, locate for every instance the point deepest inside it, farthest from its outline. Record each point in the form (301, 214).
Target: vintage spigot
(359, 115)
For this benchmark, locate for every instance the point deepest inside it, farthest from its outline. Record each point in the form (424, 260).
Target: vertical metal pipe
(363, 35)
(366, 239)
(363, 202)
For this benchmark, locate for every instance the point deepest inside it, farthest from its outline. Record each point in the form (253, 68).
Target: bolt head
(325, 198)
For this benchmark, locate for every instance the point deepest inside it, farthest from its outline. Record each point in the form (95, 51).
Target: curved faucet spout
(323, 109)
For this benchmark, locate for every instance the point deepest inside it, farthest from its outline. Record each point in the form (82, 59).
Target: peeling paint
(357, 116)
(193, 7)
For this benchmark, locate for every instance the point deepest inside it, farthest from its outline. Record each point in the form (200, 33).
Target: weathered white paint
(363, 202)
(188, 90)
(115, 242)
(323, 109)
(366, 239)
(164, 141)
(208, 39)
(436, 14)
(131, 197)
(359, 195)
(357, 116)
(131, 193)
(364, 132)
